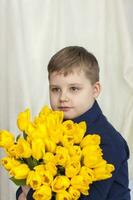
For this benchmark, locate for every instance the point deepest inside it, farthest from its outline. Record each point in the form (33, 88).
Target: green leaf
(32, 162)
(18, 181)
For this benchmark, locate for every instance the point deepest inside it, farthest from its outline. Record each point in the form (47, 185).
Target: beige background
(31, 31)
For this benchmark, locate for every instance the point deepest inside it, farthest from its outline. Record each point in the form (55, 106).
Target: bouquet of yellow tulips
(53, 156)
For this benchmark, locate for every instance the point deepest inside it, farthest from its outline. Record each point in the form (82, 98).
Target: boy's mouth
(64, 108)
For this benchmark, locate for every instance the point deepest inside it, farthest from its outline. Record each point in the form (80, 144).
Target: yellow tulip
(12, 151)
(87, 173)
(39, 168)
(49, 124)
(91, 161)
(79, 132)
(34, 180)
(75, 151)
(72, 168)
(79, 183)
(54, 120)
(6, 139)
(30, 129)
(92, 155)
(51, 167)
(90, 140)
(73, 133)
(69, 127)
(75, 194)
(61, 156)
(49, 157)
(43, 193)
(23, 148)
(50, 145)
(103, 171)
(46, 175)
(38, 120)
(45, 111)
(9, 163)
(42, 130)
(90, 149)
(36, 133)
(57, 116)
(46, 167)
(41, 126)
(20, 172)
(38, 148)
(23, 120)
(67, 140)
(56, 134)
(63, 195)
(60, 183)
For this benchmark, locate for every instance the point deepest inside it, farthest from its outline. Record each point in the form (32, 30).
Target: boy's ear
(96, 89)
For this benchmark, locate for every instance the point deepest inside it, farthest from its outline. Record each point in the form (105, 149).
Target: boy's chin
(69, 116)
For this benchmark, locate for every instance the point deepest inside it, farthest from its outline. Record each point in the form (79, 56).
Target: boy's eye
(55, 89)
(74, 89)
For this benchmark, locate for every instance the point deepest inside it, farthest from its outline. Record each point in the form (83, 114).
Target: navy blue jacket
(115, 151)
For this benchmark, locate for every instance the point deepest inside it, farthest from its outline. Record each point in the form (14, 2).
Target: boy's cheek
(53, 105)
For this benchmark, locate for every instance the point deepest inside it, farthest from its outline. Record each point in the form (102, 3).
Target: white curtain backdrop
(31, 31)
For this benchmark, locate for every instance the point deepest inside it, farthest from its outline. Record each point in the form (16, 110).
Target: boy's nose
(64, 97)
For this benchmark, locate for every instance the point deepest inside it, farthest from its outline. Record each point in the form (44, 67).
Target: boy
(74, 86)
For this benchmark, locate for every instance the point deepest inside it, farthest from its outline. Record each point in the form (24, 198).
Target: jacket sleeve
(18, 192)
(29, 195)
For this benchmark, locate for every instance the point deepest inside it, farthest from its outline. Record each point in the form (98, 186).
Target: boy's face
(73, 94)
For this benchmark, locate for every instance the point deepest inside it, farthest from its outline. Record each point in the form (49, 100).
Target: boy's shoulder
(97, 123)
(106, 129)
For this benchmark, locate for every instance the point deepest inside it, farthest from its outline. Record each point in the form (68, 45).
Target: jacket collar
(89, 116)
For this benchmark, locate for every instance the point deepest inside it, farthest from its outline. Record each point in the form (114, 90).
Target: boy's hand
(25, 190)
(22, 196)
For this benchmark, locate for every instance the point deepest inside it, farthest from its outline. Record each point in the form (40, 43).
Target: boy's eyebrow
(77, 84)
(71, 84)
(51, 86)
